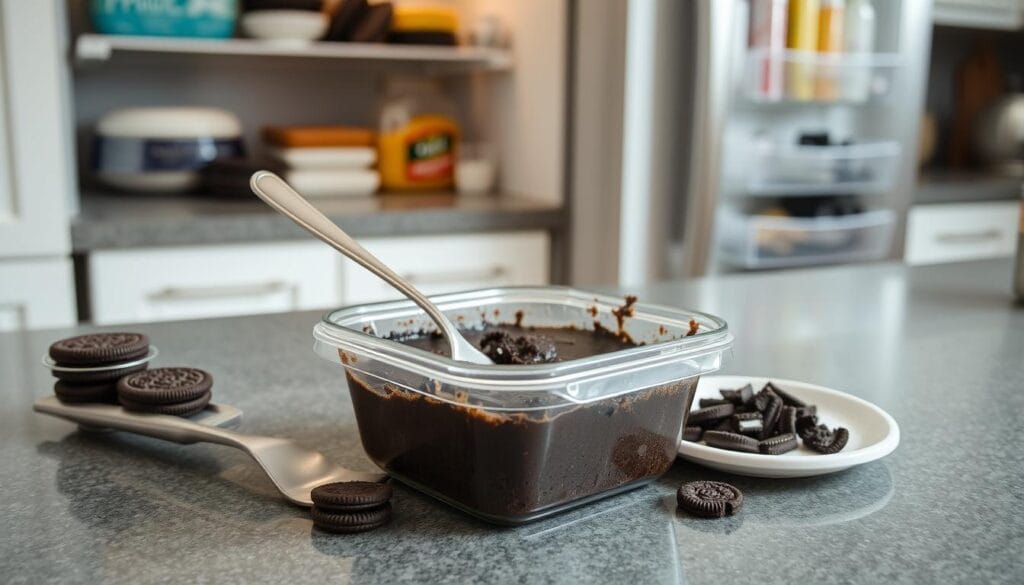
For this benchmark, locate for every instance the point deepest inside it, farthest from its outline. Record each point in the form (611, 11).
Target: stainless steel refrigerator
(697, 147)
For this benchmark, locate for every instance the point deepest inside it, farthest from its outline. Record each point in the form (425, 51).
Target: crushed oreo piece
(826, 441)
(692, 434)
(771, 416)
(706, 402)
(768, 422)
(787, 420)
(711, 414)
(731, 441)
(739, 396)
(504, 348)
(778, 444)
(748, 423)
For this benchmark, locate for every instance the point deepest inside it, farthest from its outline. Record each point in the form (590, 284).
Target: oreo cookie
(762, 398)
(706, 402)
(187, 408)
(351, 522)
(692, 434)
(165, 386)
(171, 391)
(731, 441)
(740, 396)
(747, 423)
(709, 499)
(805, 424)
(351, 506)
(826, 441)
(374, 25)
(771, 416)
(99, 349)
(350, 496)
(778, 444)
(787, 398)
(78, 393)
(346, 17)
(787, 420)
(711, 414)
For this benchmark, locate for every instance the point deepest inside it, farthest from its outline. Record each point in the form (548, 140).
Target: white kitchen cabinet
(158, 284)
(949, 232)
(36, 294)
(35, 138)
(450, 263)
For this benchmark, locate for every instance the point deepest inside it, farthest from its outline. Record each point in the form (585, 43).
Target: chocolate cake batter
(512, 466)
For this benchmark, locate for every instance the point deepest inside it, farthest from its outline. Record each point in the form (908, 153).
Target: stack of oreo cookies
(174, 391)
(87, 367)
(351, 506)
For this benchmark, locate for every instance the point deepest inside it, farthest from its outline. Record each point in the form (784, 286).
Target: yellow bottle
(802, 36)
(830, 40)
(418, 138)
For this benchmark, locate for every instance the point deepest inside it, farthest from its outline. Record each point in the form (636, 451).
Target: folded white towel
(333, 183)
(339, 157)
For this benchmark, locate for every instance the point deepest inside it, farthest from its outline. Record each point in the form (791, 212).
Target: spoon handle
(278, 194)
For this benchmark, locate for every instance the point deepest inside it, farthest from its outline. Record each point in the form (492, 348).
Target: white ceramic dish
(327, 157)
(285, 25)
(873, 433)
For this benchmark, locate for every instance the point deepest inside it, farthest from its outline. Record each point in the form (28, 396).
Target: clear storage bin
(511, 444)
(868, 167)
(753, 241)
(801, 76)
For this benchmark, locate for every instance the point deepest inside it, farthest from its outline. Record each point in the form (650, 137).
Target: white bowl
(873, 433)
(285, 25)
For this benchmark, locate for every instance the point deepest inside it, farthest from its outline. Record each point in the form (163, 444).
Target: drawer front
(967, 231)
(451, 263)
(160, 284)
(36, 294)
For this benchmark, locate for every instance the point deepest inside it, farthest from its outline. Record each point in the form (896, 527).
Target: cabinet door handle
(968, 237)
(175, 293)
(491, 273)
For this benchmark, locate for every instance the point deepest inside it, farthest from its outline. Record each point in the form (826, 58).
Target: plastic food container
(511, 444)
(162, 149)
(211, 19)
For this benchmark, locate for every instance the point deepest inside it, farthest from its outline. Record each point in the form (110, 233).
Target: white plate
(873, 433)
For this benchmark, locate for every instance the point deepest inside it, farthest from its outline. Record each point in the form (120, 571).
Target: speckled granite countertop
(111, 221)
(941, 348)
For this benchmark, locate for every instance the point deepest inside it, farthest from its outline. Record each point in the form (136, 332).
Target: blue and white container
(162, 149)
(208, 19)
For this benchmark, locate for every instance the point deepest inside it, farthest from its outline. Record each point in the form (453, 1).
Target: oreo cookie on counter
(174, 391)
(350, 506)
(87, 367)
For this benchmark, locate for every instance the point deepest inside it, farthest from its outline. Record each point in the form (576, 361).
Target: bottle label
(430, 156)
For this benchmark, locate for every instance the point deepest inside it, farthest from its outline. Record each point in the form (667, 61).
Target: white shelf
(95, 48)
(789, 76)
(759, 242)
(864, 168)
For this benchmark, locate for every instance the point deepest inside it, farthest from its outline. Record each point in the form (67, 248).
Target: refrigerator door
(746, 138)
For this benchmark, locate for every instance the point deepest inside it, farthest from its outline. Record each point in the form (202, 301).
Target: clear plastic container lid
(666, 350)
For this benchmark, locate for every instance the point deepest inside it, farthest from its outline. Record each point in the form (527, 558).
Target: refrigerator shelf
(774, 76)
(868, 167)
(758, 242)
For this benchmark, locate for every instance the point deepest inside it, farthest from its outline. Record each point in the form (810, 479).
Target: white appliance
(759, 163)
(36, 181)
